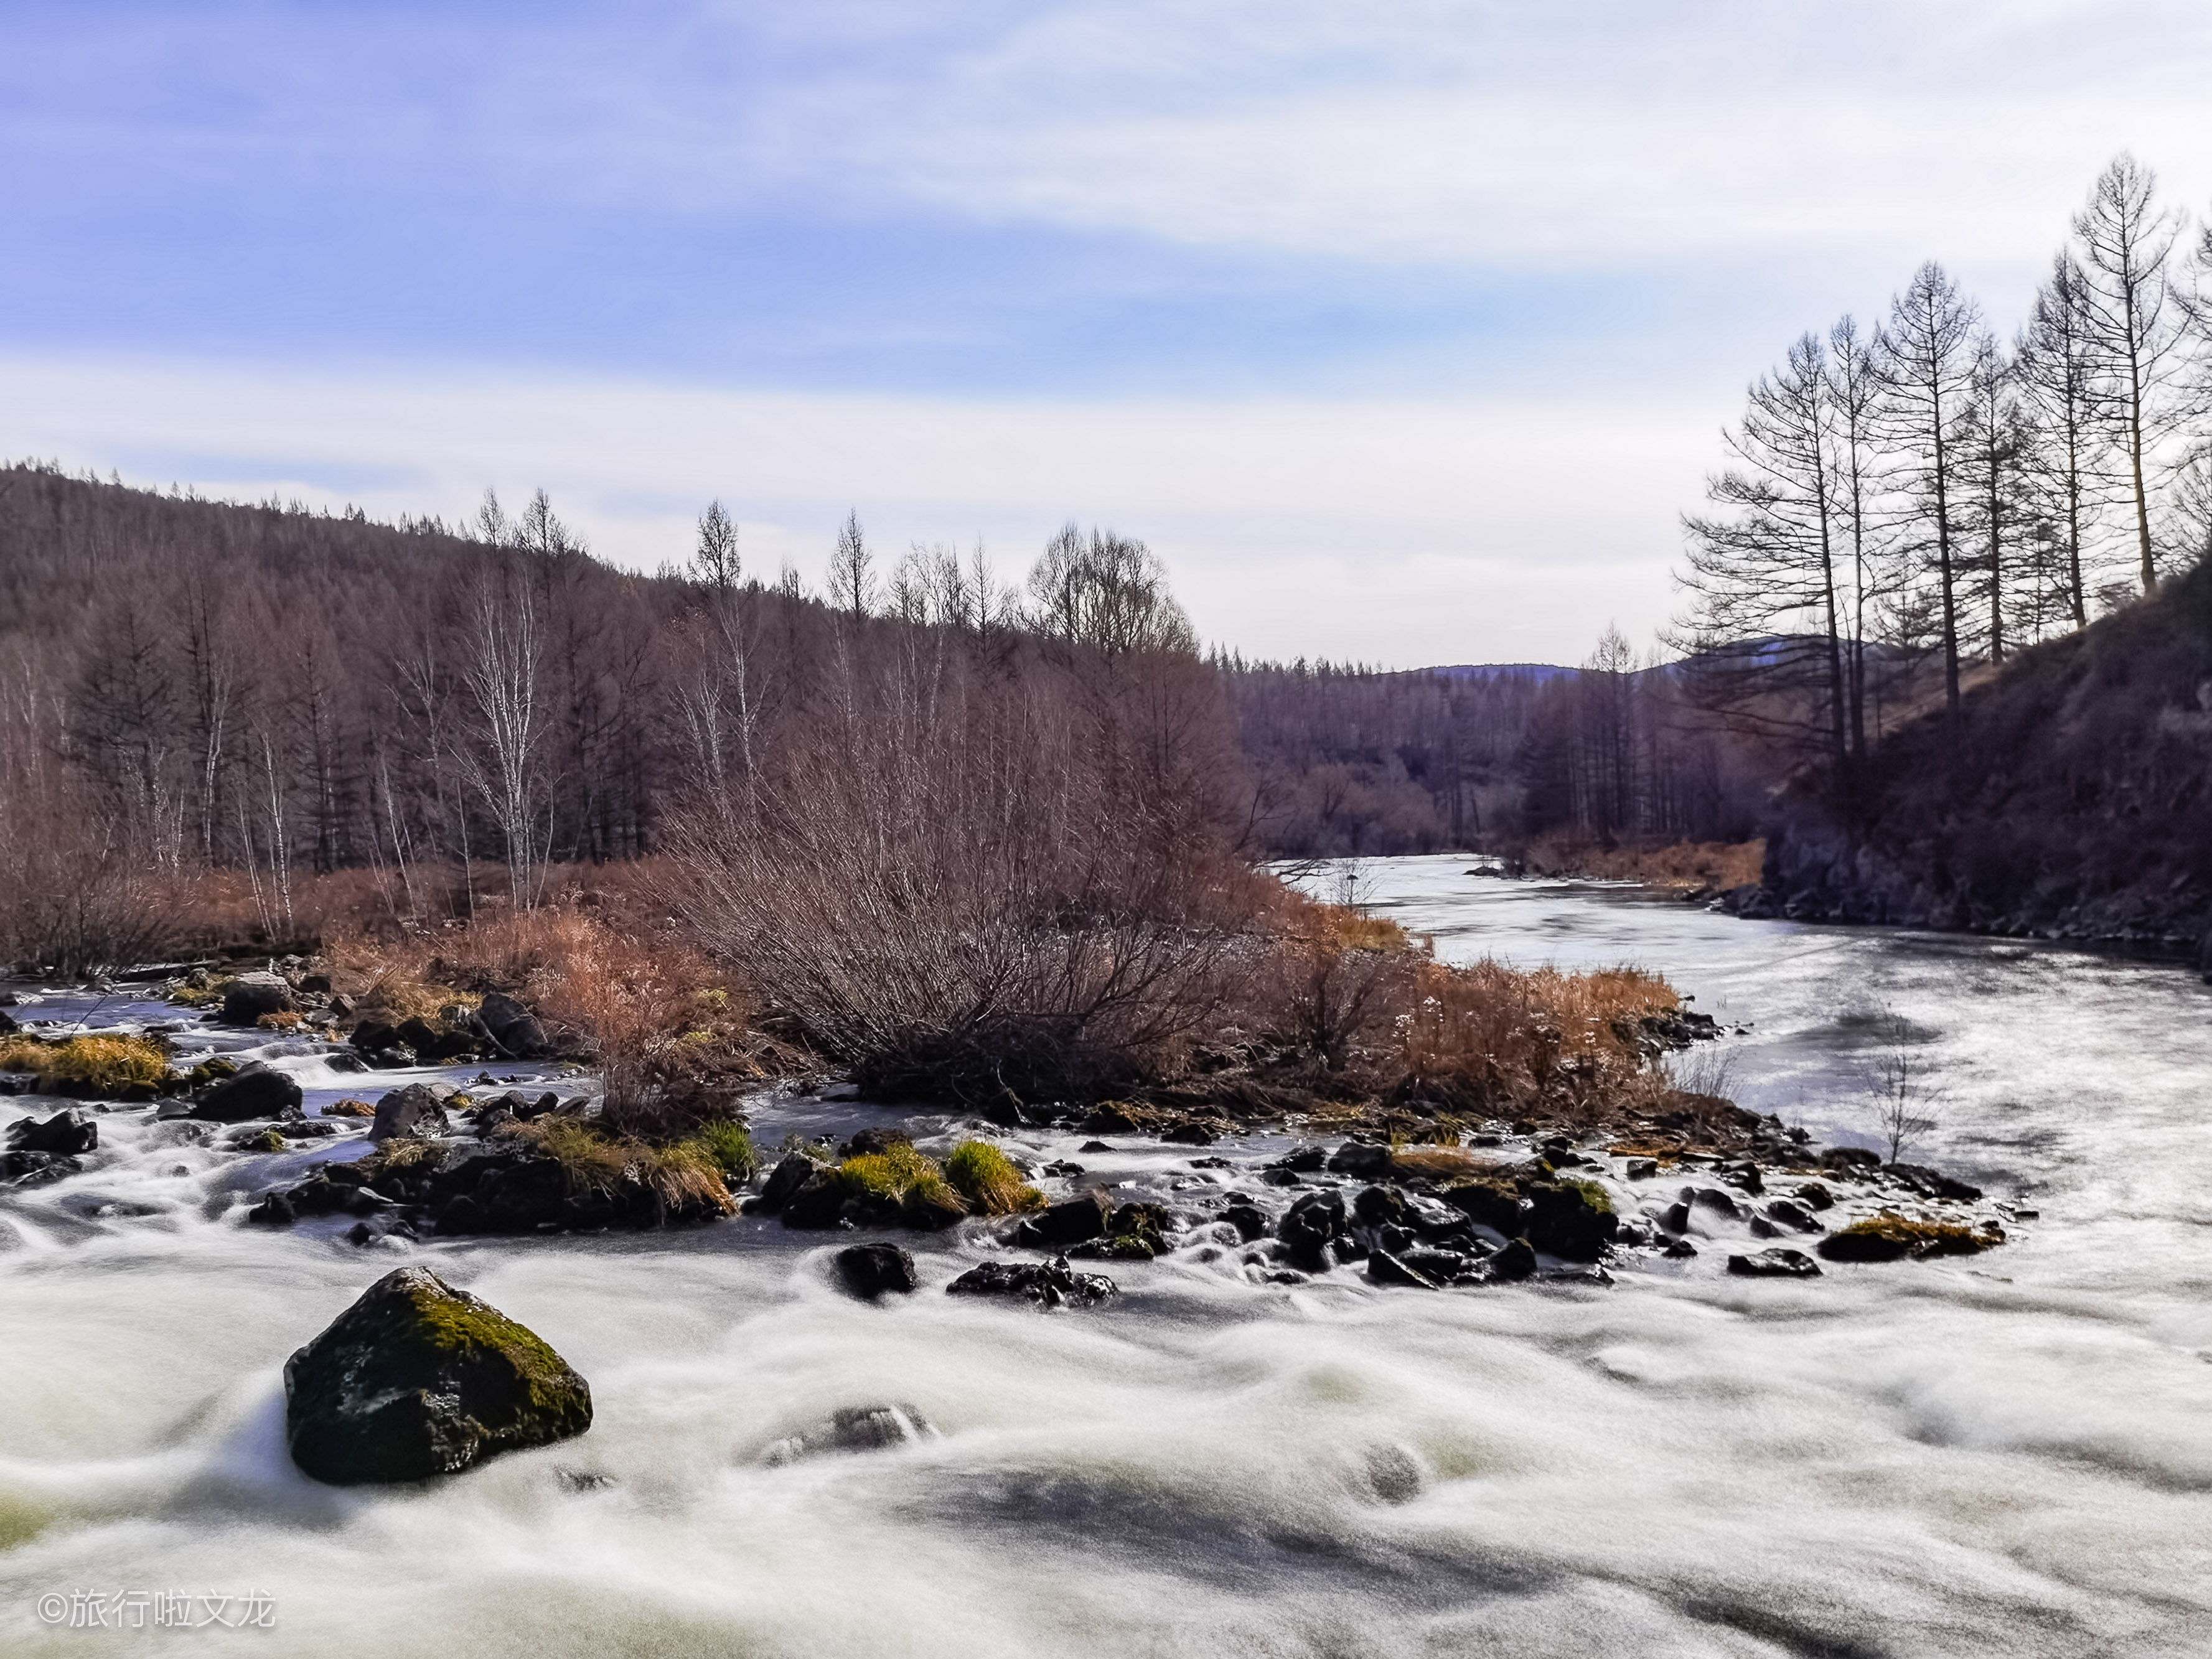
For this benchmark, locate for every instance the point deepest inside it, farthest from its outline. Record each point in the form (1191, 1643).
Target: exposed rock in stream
(266, 1093)
(418, 1379)
(1050, 1285)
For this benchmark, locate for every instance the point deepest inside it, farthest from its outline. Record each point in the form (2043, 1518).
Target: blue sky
(1403, 332)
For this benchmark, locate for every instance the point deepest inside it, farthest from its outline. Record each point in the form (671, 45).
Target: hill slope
(2072, 800)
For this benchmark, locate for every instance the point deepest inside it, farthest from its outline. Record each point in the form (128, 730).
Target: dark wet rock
(249, 1095)
(1134, 1233)
(1276, 1176)
(1072, 1221)
(856, 1429)
(275, 1210)
(1005, 1111)
(1063, 1168)
(818, 1204)
(871, 1270)
(1713, 1198)
(1309, 1227)
(582, 1480)
(1052, 1284)
(1094, 1146)
(1377, 1205)
(250, 996)
(1516, 1260)
(1190, 1132)
(418, 1379)
(789, 1175)
(65, 1134)
(462, 1217)
(1890, 1237)
(1249, 1220)
(1361, 1160)
(1305, 1160)
(513, 1027)
(1761, 1227)
(1111, 1117)
(1814, 1196)
(1931, 1183)
(873, 1140)
(1643, 1169)
(1385, 1268)
(36, 1168)
(1744, 1176)
(1779, 1262)
(1394, 1474)
(1792, 1215)
(1496, 1204)
(1571, 1219)
(525, 1197)
(376, 1229)
(1680, 1249)
(413, 1110)
(1843, 1159)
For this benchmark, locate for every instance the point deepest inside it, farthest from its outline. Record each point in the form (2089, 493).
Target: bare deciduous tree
(2126, 245)
(1925, 348)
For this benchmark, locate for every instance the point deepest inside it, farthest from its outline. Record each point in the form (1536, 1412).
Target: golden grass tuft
(108, 1064)
(989, 1181)
(685, 1176)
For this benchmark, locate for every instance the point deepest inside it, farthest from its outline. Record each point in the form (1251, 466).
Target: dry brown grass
(1683, 866)
(108, 1064)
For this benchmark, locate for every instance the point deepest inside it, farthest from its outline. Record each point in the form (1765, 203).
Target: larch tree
(2056, 362)
(1767, 618)
(2125, 244)
(1926, 354)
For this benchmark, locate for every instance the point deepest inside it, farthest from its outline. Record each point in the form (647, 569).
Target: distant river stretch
(2008, 1454)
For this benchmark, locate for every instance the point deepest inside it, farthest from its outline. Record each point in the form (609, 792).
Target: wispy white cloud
(1395, 532)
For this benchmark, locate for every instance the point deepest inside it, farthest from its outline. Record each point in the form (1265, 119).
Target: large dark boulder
(1072, 1222)
(524, 1198)
(249, 1096)
(413, 1110)
(1571, 1219)
(1492, 1204)
(65, 1134)
(1366, 1162)
(250, 996)
(868, 1271)
(786, 1179)
(418, 1379)
(1310, 1227)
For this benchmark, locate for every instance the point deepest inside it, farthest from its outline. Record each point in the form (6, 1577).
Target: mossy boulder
(1495, 1204)
(1571, 1219)
(1890, 1237)
(418, 1379)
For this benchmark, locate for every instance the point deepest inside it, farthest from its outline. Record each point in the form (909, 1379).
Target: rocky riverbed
(1272, 1434)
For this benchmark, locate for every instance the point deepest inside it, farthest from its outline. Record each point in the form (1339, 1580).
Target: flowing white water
(2009, 1454)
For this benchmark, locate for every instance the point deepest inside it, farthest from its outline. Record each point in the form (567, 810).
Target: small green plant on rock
(731, 1148)
(989, 1181)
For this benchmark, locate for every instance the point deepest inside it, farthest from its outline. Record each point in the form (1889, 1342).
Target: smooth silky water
(2009, 1454)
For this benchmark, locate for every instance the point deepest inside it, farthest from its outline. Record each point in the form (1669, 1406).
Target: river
(2008, 1454)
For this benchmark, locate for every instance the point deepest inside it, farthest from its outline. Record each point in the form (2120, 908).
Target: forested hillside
(2070, 798)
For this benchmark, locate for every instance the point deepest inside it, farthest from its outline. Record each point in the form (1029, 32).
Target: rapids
(2006, 1454)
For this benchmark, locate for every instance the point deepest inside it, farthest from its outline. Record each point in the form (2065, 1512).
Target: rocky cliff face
(2071, 800)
